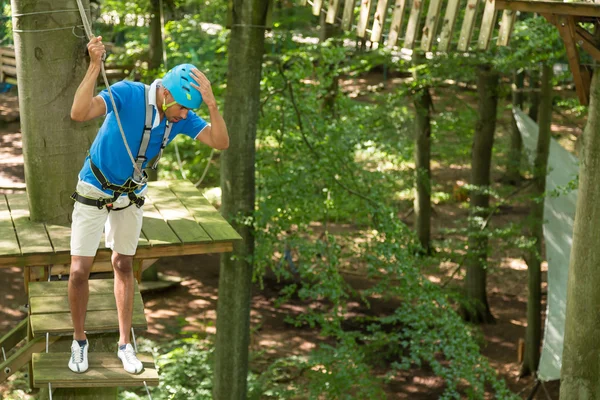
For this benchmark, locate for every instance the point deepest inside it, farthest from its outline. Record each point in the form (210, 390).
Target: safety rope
(90, 35)
(48, 336)
(136, 349)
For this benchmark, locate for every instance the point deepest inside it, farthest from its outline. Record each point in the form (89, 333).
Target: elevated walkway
(178, 221)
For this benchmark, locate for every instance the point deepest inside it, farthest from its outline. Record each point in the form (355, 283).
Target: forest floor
(191, 307)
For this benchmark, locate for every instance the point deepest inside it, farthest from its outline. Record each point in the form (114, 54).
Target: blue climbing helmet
(178, 81)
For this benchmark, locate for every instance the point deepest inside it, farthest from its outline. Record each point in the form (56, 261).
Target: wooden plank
(171, 250)
(105, 370)
(431, 24)
(9, 245)
(396, 26)
(348, 14)
(363, 19)
(8, 51)
(204, 213)
(467, 27)
(9, 61)
(32, 237)
(316, 9)
(60, 237)
(566, 27)
(551, 7)
(97, 302)
(587, 42)
(8, 70)
(23, 356)
(95, 321)
(155, 228)
(60, 288)
(448, 25)
(488, 23)
(332, 11)
(379, 20)
(178, 217)
(413, 24)
(14, 336)
(506, 27)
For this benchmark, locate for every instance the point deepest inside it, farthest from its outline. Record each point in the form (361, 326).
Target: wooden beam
(363, 19)
(586, 40)
(506, 26)
(413, 24)
(348, 14)
(316, 8)
(566, 27)
(488, 23)
(431, 24)
(378, 20)
(396, 25)
(448, 24)
(467, 27)
(332, 11)
(551, 7)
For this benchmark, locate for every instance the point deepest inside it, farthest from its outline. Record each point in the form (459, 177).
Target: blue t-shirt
(108, 151)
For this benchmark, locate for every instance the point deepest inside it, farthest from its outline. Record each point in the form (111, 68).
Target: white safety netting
(559, 215)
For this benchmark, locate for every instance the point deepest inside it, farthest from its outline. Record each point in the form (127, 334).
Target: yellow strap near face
(165, 106)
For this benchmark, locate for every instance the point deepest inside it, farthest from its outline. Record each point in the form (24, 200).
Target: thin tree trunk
(422, 203)
(50, 65)
(483, 142)
(155, 39)
(242, 103)
(533, 333)
(580, 367)
(534, 96)
(329, 31)
(513, 167)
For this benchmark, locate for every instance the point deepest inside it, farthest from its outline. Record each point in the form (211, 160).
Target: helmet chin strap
(165, 106)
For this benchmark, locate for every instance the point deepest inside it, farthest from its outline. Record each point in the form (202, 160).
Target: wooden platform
(49, 308)
(178, 220)
(105, 370)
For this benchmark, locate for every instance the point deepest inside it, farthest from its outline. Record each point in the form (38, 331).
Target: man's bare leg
(79, 292)
(123, 267)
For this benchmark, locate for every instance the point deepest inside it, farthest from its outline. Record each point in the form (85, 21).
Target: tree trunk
(513, 166)
(242, 104)
(50, 65)
(483, 141)
(155, 40)
(533, 333)
(422, 203)
(534, 96)
(580, 367)
(329, 31)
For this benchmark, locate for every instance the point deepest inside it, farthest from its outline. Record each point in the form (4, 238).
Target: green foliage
(6, 35)
(186, 373)
(310, 169)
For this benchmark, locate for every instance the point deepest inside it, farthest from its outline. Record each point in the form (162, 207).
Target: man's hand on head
(203, 86)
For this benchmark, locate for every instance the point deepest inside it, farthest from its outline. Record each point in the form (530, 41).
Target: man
(111, 187)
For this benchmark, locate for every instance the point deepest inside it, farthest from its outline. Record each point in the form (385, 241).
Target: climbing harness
(131, 184)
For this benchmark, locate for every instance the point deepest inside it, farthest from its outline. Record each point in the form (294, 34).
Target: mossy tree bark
(422, 204)
(478, 309)
(533, 333)
(580, 367)
(51, 63)
(242, 103)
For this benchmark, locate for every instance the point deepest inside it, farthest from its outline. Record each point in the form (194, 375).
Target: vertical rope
(136, 349)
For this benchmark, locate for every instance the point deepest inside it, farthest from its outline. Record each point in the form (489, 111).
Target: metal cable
(3, 354)
(46, 12)
(136, 349)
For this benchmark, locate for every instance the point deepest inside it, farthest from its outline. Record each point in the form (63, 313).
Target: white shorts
(122, 228)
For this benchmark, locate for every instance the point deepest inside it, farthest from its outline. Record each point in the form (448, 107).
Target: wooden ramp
(105, 370)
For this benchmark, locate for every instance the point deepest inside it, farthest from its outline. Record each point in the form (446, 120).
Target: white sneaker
(130, 361)
(79, 357)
